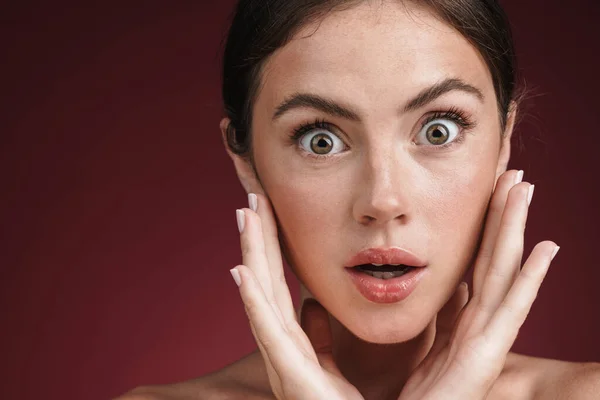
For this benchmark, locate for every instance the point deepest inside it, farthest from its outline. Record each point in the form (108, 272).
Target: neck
(378, 371)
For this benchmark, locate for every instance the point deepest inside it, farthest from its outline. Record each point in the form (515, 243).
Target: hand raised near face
(298, 366)
(473, 339)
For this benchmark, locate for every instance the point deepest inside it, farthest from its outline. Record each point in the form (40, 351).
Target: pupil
(322, 144)
(437, 134)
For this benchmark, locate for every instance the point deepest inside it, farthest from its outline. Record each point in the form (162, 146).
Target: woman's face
(381, 177)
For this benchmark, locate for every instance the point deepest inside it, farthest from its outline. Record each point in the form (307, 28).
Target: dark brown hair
(259, 27)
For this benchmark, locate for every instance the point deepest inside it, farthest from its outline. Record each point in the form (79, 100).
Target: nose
(384, 190)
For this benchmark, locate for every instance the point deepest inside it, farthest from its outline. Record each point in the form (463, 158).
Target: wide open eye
(321, 142)
(438, 132)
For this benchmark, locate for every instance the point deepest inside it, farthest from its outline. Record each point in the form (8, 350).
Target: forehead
(372, 55)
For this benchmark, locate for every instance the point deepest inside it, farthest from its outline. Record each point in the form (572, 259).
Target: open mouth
(384, 271)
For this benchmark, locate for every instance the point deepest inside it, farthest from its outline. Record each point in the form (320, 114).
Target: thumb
(314, 320)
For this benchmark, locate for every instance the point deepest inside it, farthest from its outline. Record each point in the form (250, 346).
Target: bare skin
(388, 187)
(523, 378)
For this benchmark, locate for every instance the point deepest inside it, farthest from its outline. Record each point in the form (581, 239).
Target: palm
(472, 341)
(437, 363)
(297, 367)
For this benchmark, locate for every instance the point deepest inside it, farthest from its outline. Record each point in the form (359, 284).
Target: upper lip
(391, 255)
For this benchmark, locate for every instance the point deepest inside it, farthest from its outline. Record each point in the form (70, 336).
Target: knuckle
(267, 344)
(513, 222)
(515, 246)
(530, 274)
(498, 272)
(254, 218)
(496, 206)
(502, 269)
(517, 192)
(246, 247)
(484, 306)
(509, 308)
(474, 353)
(251, 308)
(518, 313)
(485, 253)
(506, 179)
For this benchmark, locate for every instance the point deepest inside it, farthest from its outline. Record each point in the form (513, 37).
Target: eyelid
(455, 115)
(307, 127)
(455, 132)
(304, 129)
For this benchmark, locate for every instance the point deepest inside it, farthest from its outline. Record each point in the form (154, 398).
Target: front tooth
(396, 264)
(377, 265)
(378, 274)
(388, 275)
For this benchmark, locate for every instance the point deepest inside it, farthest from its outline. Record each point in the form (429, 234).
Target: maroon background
(118, 199)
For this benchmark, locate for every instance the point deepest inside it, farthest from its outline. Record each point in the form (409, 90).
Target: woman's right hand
(298, 366)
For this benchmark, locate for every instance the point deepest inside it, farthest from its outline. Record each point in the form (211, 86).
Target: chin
(386, 326)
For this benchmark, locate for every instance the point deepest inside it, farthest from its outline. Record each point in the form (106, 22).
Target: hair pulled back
(260, 27)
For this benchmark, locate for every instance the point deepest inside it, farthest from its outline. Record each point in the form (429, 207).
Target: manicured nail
(253, 201)
(530, 195)
(554, 252)
(236, 276)
(240, 215)
(519, 177)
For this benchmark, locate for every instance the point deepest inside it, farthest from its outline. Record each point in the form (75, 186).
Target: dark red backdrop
(118, 199)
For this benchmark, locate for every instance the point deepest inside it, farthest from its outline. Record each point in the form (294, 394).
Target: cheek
(308, 209)
(459, 196)
(455, 210)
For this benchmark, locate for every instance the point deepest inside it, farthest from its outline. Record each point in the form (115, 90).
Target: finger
(492, 226)
(507, 253)
(447, 318)
(269, 332)
(281, 291)
(274, 379)
(254, 256)
(315, 323)
(504, 326)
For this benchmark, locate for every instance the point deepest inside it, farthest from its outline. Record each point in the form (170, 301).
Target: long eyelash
(453, 114)
(307, 127)
(298, 132)
(456, 115)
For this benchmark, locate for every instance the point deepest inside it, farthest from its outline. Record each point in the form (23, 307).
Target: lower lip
(386, 290)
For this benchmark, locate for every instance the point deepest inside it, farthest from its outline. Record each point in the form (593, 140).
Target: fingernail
(253, 201)
(236, 276)
(240, 215)
(530, 195)
(519, 177)
(554, 253)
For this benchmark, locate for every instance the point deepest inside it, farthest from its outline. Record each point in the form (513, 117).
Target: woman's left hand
(472, 341)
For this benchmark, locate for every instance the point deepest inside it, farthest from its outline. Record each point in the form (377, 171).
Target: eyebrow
(329, 106)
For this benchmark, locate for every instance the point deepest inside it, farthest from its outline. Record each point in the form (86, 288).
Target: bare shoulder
(243, 379)
(531, 378)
